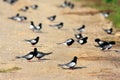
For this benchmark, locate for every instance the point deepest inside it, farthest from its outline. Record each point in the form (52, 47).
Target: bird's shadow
(75, 68)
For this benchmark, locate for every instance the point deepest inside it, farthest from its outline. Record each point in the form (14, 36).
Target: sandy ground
(95, 64)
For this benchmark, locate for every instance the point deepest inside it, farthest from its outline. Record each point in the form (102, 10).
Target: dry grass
(9, 70)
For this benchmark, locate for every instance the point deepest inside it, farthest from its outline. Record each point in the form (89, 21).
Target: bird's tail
(27, 40)
(49, 53)
(18, 57)
(60, 43)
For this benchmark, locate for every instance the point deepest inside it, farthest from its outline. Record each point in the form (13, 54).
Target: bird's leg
(29, 60)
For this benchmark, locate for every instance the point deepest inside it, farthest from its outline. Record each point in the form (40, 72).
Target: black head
(61, 23)
(75, 57)
(83, 26)
(97, 40)
(85, 38)
(40, 24)
(26, 7)
(17, 14)
(25, 18)
(36, 5)
(35, 49)
(37, 37)
(111, 29)
(31, 22)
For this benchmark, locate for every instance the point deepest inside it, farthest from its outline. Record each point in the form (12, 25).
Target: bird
(35, 6)
(78, 36)
(10, 1)
(99, 41)
(39, 27)
(24, 9)
(59, 25)
(65, 4)
(52, 18)
(68, 42)
(107, 45)
(35, 28)
(82, 40)
(72, 6)
(14, 17)
(80, 29)
(105, 14)
(39, 54)
(32, 26)
(108, 31)
(18, 18)
(33, 41)
(69, 65)
(28, 56)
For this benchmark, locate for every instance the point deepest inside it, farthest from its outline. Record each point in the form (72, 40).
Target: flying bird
(70, 65)
(33, 41)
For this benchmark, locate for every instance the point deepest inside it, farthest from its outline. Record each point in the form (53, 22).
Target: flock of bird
(80, 39)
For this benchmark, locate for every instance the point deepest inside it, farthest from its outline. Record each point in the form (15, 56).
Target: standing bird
(24, 9)
(33, 41)
(80, 29)
(105, 14)
(28, 56)
(99, 42)
(82, 40)
(65, 4)
(108, 31)
(10, 1)
(107, 45)
(78, 36)
(59, 26)
(39, 27)
(52, 18)
(70, 65)
(39, 54)
(18, 18)
(35, 6)
(68, 42)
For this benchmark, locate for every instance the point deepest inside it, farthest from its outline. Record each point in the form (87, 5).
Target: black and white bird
(10, 1)
(72, 6)
(52, 18)
(39, 54)
(59, 25)
(99, 41)
(80, 29)
(78, 36)
(33, 41)
(70, 65)
(105, 14)
(82, 40)
(108, 31)
(18, 18)
(35, 6)
(107, 45)
(35, 28)
(24, 9)
(68, 42)
(64, 4)
(28, 56)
